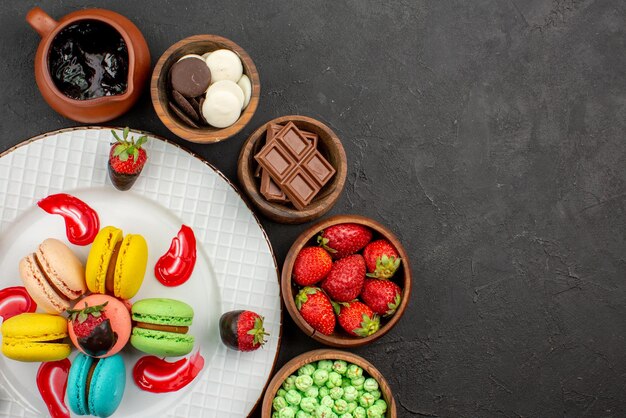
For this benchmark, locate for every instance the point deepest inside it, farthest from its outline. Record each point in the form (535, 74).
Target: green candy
(325, 365)
(279, 403)
(346, 415)
(340, 366)
(304, 382)
(382, 404)
(336, 392)
(312, 392)
(358, 382)
(323, 391)
(370, 384)
(323, 411)
(334, 380)
(281, 392)
(354, 371)
(289, 383)
(327, 401)
(320, 377)
(376, 394)
(293, 397)
(375, 412)
(366, 400)
(359, 412)
(306, 370)
(350, 393)
(352, 406)
(302, 414)
(287, 412)
(340, 406)
(275, 414)
(308, 404)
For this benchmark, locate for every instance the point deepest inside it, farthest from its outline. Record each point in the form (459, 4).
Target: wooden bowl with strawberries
(346, 281)
(311, 359)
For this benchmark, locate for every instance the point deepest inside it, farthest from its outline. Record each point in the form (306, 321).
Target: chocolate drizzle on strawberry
(100, 341)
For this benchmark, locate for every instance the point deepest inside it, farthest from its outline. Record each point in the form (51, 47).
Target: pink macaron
(99, 325)
(53, 276)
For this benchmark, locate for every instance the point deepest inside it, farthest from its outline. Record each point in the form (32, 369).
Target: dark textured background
(489, 135)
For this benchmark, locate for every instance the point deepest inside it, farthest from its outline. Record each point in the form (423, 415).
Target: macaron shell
(116, 312)
(224, 65)
(191, 56)
(130, 267)
(100, 256)
(160, 343)
(24, 337)
(163, 311)
(227, 86)
(63, 268)
(76, 384)
(221, 109)
(246, 87)
(38, 287)
(107, 386)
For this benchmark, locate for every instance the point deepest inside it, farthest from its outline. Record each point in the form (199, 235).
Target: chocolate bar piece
(270, 190)
(295, 164)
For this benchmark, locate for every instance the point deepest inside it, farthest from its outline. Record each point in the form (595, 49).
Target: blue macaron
(96, 386)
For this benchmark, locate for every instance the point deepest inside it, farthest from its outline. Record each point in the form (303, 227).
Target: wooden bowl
(289, 289)
(199, 44)
(326, 354)
(328, 144)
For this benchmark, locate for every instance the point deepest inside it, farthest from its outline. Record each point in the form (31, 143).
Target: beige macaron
(53, 276)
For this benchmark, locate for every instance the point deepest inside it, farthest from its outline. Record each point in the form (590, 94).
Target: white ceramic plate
(235, 268)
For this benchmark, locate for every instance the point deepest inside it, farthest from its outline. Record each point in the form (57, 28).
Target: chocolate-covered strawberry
(345, 239)
(357, 319)
(382, 296)
(93, 329)
(381, 258)
(316, 309)
(345, 280)
(126, 159)
(242, 330)
(312, 264)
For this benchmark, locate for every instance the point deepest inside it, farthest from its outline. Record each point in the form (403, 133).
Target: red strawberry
(92, 329)
(382, 296)
(358, 319)
(312, 265)
(126, 160)
(342, 240)
(345, 280)
(316, 309)
(381, 258)
(242, 330)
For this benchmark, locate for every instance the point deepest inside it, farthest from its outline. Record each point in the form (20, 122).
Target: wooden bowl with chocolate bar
(205, 88)
(293, 168)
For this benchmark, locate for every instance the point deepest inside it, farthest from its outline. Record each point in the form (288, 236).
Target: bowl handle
(41, 21)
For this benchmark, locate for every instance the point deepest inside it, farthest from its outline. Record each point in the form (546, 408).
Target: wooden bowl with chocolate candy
(346, 281)
(205, 88)
(320, 381)
(293, 168)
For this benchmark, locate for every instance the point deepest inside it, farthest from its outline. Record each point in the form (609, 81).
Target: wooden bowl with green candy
(325, 383)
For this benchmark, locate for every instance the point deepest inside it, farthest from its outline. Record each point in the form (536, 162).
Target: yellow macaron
(35, 337)
(116, 264)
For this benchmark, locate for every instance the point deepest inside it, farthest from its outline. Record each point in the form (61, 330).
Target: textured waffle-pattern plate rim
(216, 171)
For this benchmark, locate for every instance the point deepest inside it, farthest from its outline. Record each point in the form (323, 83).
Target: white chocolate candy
(246, 87)
(224, 65)
(228, 86)
(205, 55)
(221, 109)
(190, 56)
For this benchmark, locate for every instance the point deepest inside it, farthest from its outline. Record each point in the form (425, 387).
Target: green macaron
(161, 326)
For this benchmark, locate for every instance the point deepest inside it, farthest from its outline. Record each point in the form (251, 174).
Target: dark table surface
(489, 135)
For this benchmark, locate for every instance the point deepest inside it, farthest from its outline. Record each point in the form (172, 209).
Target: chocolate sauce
(89, 59)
